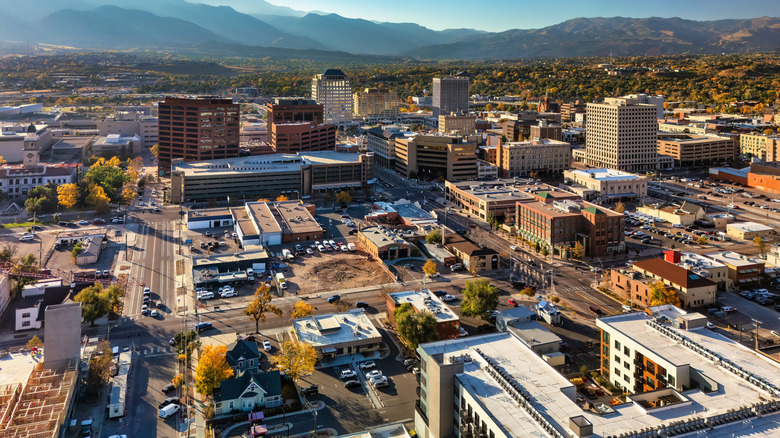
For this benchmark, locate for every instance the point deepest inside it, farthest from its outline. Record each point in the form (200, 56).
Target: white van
(169, 410)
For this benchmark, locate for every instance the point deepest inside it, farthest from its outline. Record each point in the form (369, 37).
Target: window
(626, 351)
(617, 372)
(26, 315)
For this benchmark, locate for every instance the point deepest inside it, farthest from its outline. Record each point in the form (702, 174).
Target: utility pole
(756, 322)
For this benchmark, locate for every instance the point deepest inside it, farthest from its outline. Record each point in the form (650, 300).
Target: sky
(529, 14)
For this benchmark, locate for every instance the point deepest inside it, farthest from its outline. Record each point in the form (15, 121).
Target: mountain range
(255, 28)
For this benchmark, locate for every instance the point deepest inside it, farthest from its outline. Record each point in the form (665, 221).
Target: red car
(512, 302)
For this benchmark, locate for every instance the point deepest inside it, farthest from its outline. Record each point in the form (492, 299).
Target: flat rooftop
(17, 366)
(553, 396)
(275, 163)
(262, 217)
(296, 217)
(606, 174)
(243, 256)
(406, 210)
(382, 237)
(73, 142)
(422, 300)
(338, 328)
(733, 258)
(749, 226)
(329, 157)
(493, 193)
(693, 261)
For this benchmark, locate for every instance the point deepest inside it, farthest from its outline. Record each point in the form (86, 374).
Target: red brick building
(197, 129)
(301, 137)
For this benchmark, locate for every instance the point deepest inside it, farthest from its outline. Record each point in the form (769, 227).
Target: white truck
(281, 280)
(288, 255)
(351, 246)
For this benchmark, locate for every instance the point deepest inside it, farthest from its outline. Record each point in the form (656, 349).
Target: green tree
(660, 294)
(260, 305)
(416, 328)
(434, 236)
(185, 342)
(78, 248)
(478, 298)
(96, 301)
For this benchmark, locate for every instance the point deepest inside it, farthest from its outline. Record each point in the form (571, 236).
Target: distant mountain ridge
(186, 27)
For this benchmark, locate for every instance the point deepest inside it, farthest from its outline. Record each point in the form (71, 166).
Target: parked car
(311, 390)
(168, 388)
(203, 326)
(367, 365)
(439, 293)
(27, 236)
(462, 332)
(227, 294)
(169, 401)
(410, 362)
(346, 374)
(362, 304)
(372, 374)
(512, 302)
(83, 222)
(351, 383)
(169, 410)
(377, 380)
(334, 299)
(447, 298)
(267, 345)
(595, 310)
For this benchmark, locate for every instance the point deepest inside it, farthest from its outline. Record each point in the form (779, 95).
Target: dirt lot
(334, 271)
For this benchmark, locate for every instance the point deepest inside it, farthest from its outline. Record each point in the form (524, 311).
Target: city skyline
(523, 14)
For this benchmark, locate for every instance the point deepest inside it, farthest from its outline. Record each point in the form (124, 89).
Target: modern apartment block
(691, 150)
(621, 134)
(197, 129)
(453, 158)
(560, 225)
(760, 146)
(463, 124)
(376, 104)
(450, 95)
(269, 176)
(333, 90)
(670, 363)
(537, 155)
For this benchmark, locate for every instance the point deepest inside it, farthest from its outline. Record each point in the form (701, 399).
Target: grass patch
(22, 224)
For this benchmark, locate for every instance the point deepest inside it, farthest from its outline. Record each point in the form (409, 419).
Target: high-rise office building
(296, 125)
(196, 129)
(376, 104)
(450, 95)
(333, 90)
(621, 134)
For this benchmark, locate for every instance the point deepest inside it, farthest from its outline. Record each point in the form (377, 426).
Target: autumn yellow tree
(155, 150)
(761, 245)
(296, 359)
(430, 268)
(702, 240)
(68, 195)
(178, 380)
(660, 294)
(620, 207)
(128, 194)
(212, 369)
(96, 195)
(263, 200)
(35, 342)
(260, 305)
(281, 198)
(343, 197)
(301, 309)
(578, 251)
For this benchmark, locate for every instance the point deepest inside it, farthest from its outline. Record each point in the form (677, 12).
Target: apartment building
(333, 90)
(760, 146)
(546, 130)
(450, 95)
(429, 156)
(621, 135)
(536, 155)
(692, 150)
(608, 184)
(668, 360)
(268, 176)
(373, 104)
(293, 137)
(197, 129)
(635, 283)
(462, 124)
(558, 226)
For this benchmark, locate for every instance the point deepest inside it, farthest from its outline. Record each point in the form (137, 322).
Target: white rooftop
(733, 258)
(691, 260)
(424, 300)
(606, 174)
(749, 226)
(552, 396)
(326, 330)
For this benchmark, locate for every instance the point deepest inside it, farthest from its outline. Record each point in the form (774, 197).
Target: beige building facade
(621, 134)
(453, 158)
(759, 146)
(462, 124)
(376, 104)
(537, 155)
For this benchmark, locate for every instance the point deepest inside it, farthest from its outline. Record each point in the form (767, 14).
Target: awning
(328, 350)
(622, 195)
(258, 430)
(256, 416)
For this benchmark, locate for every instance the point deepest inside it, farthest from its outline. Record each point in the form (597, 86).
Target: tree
(534, 174)
(128, 194)
(96, 301)
(578, 251)
(100, 365)
(761, 245)
(660, 294)
(537, 247)
(545, 251)
(343, 197)
(185, 342)
(301, 309)
(281, 198)
(68, 195)
(702, 240)
(261, 304)
(35, 342)
(8, 253)
(178, 380)
(415, 328)
(528, 290)
(434, 236)
(620, 207)
(212, 369)
(479, 297)
(430, 268)
(296, 359)
(78, 248)
(34, 205)
(96, 195)
(155, 150)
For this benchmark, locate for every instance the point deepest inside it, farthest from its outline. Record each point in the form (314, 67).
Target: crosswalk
(578, 289)
(157, 351)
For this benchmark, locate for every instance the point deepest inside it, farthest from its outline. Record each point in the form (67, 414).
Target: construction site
(36, 407)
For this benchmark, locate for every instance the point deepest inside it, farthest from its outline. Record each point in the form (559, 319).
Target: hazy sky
(529, 14)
